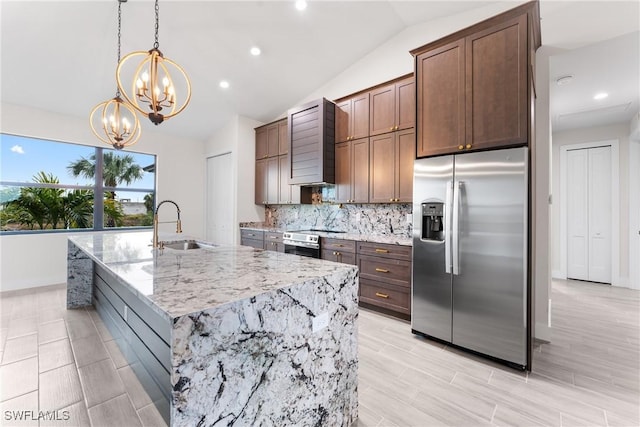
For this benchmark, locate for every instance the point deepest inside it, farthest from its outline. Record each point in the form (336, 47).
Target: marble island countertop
(178, 282)
(374, 238)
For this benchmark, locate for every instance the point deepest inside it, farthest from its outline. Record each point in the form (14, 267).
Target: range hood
(312, 143)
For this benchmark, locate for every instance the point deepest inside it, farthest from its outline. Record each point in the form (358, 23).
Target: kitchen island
(228, 335)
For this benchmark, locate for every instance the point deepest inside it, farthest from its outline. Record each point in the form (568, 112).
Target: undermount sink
(184, 245)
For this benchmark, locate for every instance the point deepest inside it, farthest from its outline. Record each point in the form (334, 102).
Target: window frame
(98, 187)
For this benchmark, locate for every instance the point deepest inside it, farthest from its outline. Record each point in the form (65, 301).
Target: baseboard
(557, 274)
(621, 282)
(29, 290)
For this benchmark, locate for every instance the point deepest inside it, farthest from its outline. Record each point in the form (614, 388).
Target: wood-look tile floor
(53, 359)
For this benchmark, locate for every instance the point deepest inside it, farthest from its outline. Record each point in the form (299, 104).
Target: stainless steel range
(304, 242)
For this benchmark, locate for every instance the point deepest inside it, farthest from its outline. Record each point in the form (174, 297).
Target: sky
(21, 158)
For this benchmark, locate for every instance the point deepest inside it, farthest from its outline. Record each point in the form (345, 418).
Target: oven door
(308, 251)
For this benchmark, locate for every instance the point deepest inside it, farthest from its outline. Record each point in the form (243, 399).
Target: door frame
(615, 203)
(208, 193)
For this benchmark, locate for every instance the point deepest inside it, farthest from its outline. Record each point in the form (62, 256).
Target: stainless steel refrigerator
(470, 282)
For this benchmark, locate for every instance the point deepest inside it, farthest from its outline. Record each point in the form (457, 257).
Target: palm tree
(117, 169)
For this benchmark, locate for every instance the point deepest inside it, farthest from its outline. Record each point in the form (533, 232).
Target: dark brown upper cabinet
(392, 107)
(268, 140)
(391, 157)
(266, 181)
(352, 118)
(474, 87)
(283, 137)
(352, 171)
(312, 143)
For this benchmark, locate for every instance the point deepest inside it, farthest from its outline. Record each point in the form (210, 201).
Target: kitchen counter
(256, 337)
(388, 239)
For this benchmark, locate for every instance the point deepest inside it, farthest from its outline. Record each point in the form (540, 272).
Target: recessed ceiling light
(224, 84)
(563, 80)
(255, 51)
(301, 4)
(601, 95)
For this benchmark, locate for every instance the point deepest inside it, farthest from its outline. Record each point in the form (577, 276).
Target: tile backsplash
(371, 219)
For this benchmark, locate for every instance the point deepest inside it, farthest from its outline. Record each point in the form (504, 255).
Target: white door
(220, 202)
(589, 214)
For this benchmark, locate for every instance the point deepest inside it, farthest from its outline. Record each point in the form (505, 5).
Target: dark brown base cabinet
(473, 87)
(385, 276)
(338, 250)
(273, 241)
(253, 238)
(385, 272)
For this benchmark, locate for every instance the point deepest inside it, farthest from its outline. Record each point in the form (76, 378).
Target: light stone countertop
(388, 239)
(177, 282)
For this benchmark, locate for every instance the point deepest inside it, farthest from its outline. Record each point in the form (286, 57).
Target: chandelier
(154, 92)
(114, 122)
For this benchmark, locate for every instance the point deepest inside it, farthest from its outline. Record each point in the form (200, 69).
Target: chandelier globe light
(115, 122)
(157, 82)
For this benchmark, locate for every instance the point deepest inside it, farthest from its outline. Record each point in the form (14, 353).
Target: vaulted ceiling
(60, 56)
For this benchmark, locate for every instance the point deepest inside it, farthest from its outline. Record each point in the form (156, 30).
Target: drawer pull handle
(378, 294)
(339, 245)
(250, 235)
(382, 251)
(381, 270)
(273, 237)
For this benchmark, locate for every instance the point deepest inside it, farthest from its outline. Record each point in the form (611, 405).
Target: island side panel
(258, 361)
(79, 277)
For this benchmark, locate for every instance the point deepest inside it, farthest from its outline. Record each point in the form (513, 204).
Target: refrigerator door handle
(447, 228)
(455, 226)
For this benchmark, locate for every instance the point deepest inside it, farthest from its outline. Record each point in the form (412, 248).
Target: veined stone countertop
(178, 282)
(388, 239)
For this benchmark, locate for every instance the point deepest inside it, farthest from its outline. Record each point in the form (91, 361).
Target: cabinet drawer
(384, 250)
(259, 244)
(387, 296)
(338, 245)
(272, 236)
(274, 246)
(339, 256)
(388, 271)
(251, 234)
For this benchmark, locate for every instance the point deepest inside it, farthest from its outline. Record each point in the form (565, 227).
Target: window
(48, 185)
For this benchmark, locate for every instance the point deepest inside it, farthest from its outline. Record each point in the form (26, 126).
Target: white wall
(392, 59)
(595, 134)
(40, 259)
(238, 138)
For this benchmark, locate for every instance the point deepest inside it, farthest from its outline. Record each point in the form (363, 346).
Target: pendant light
(153, 91)
(115, 122)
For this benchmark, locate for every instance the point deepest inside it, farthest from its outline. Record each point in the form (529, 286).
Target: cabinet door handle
(396, 128)
(391, 200)
(468, 146)
(382, 251)
(381, 270)
(392, 128)
(460, 147)
(378, 294)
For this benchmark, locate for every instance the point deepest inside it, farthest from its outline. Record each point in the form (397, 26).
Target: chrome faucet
(156, 222)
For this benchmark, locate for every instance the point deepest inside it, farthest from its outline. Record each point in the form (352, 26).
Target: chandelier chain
(119, 27)
(156, 45)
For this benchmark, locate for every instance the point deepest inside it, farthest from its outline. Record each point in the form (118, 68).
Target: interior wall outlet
(320, 322)
(409, 218)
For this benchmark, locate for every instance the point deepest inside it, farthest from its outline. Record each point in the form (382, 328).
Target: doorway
(220, 199)
(589, 201)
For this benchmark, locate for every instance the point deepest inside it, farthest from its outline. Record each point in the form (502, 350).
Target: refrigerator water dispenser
(432, 221)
